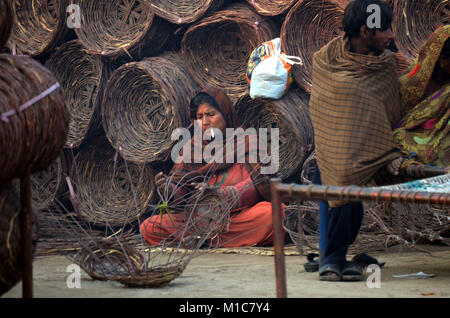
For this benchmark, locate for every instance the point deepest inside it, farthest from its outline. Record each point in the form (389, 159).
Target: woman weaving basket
(250, 213)
(425, 92)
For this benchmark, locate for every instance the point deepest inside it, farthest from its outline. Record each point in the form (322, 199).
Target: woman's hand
(160, 180)
(201, 186)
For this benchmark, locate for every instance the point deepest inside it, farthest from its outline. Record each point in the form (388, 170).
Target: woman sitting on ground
(251, 214)
(425, 92)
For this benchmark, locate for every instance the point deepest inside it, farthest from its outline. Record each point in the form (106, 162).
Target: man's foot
(330, 273)
(352, 272)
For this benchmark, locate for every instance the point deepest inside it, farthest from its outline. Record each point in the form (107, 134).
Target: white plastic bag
(269, 71)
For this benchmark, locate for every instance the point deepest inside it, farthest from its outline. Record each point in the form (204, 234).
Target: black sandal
(330, 273)
(352, 272)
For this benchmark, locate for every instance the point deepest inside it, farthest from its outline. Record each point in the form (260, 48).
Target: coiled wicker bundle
(32, 138)
(121, 28)
(271, 7)
(183, 11)
(10, 243)
(309, 25)
(143, 103)
(83, 85)
(108, 190)
(6, 21)
(291, 115)
(217, 48)
(415, 20)
(39, 26)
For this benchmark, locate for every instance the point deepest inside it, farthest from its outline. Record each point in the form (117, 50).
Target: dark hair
(446, 49)
(356, 16)
(201, 98)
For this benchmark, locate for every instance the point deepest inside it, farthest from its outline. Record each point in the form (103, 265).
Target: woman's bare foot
(394, 166)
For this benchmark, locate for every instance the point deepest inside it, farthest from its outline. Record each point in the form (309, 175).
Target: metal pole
(26, 236)
(280, 269)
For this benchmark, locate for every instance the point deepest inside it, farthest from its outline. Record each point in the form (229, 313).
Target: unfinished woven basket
(121, 28)
(291, 115)
(32, 132)
(415, 20)
(10, 245)
(83, 85)
(310, 25)
(271, 7)
(39, 26)
(184, 11)
(217, 48)
(144, 103)
(122, 262)
(6, 21)
(108, 190)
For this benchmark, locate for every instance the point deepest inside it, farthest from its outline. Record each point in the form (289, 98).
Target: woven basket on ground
(184, 11)
(80, 74)
(10, 244)
(121, 28)
(108, 190)
(271, 7)
(415, 20)
(31, 138)
(144, 103)
(291, 115)
(122, 262)
(6, 21)
(217, 48)
(309, 25)
(39, 25)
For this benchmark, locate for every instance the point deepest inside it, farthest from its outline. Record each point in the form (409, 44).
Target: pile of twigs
(6, 21)
(415, 20)
(217, 48)
(10, 247)
(108, 190)
(83, 87)
(33, 129)
(184, 11)
(39, 26)
(144, 103)
(310, 25)
(116, 28)
(291, 116)
(271, 7)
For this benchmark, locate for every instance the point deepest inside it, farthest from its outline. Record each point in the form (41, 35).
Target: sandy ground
(242, 276)
(248, 276)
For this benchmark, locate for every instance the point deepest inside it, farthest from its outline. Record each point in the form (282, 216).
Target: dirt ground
(247, 276)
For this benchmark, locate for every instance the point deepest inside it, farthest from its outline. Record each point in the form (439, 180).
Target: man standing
(354, 105)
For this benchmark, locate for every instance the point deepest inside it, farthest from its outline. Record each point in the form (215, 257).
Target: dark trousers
(344, 223)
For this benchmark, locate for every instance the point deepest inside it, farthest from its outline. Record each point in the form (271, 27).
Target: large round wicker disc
(291, 116)
(310, 25)
(217, 48)
(144, 103)
(121, 28)
(31, 138)
(415, 20)
(38, 26)
(183, 11)
(271, 7)
(82, 83)
(110, 191)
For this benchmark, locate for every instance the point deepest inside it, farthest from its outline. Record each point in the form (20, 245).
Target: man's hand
(394, 166)
(160, 180)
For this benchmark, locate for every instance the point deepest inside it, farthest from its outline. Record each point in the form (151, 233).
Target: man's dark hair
(356, 16)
